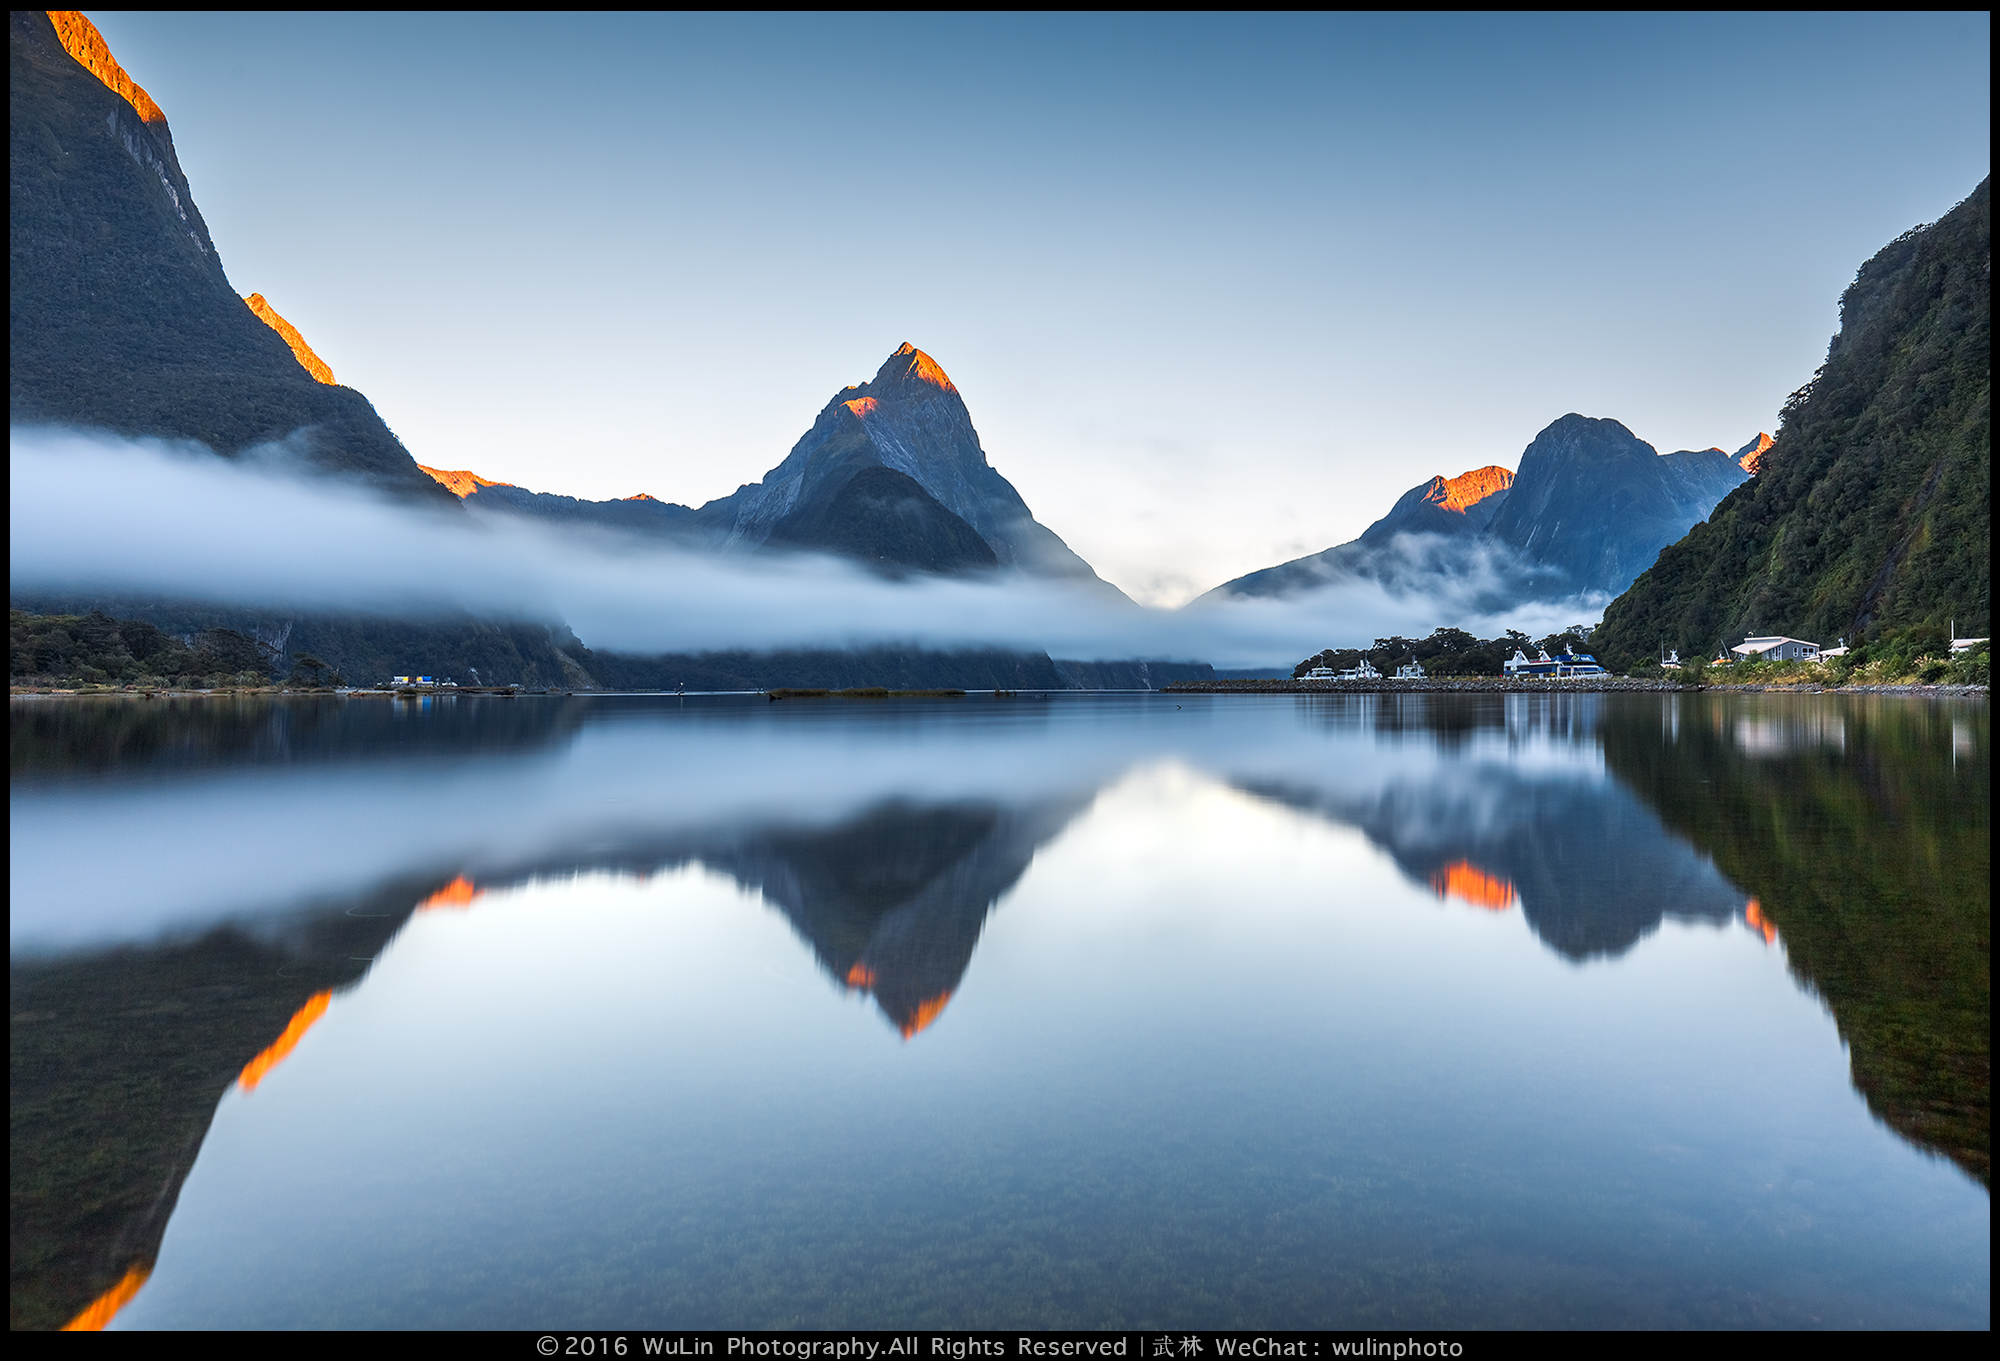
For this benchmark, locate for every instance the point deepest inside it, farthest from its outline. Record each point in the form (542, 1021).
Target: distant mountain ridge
(891, 474)
(1873, 508)
(1589, 509)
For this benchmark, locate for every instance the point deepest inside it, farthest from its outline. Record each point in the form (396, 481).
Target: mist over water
(97, 513)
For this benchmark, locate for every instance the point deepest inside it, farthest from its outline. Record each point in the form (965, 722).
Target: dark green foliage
(1447, 652)
(359, 649)
(1873, 508)
(1872, 856)
(94, 649)
(120, 315)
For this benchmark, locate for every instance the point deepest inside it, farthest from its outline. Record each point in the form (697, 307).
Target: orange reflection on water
(1754, 918)
(105, 1307)
(860, 976)
(928, 1010)
(459, 893)
(1468, 883)
(295, 1030)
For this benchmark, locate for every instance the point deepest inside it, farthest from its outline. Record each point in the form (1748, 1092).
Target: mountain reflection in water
(886, 838)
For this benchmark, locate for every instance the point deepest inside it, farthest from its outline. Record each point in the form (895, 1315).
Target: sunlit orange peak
(100, 1311)
(860, 976)
(302, 1020)
(862, 407)
(460, 484)
(301, 351)
(1468, 883)
(1752, 459)
(81, 40)
(1469, 489)
(643, 496)
(928, 1010)
(1754, 918)
(458, 893)
(924, 367)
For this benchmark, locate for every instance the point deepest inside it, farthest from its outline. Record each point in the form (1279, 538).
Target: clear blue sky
(1216, 289)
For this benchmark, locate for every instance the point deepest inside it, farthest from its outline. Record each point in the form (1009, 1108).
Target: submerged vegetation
(1862, 826)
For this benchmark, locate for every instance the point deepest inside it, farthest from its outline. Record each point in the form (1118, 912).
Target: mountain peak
(1750, 457)
(910, 365)
(461, 483)
(301, 351)
(1461, 493)
(81, 40)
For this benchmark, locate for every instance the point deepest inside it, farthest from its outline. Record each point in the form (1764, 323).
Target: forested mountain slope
(1872, 510)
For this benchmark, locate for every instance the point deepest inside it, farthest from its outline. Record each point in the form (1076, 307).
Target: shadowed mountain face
(886, 520)
(120, 315)
(1597, 503)
(909, 418)
(1873, 507)
(1590, 508)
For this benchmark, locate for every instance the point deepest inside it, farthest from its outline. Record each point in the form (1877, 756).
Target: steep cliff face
(1873, 507)
(1597, 503)
(1589, 509)
(886, 520)
(121, 317)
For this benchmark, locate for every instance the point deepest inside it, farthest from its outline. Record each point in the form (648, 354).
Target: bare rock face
(310, 362)
(81, 40)
(910, 419)
(1464, 504)
(1598, 503)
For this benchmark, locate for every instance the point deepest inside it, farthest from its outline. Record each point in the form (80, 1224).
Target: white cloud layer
(94, 513)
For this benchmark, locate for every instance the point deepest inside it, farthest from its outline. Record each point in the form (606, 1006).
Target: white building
(1777, 650)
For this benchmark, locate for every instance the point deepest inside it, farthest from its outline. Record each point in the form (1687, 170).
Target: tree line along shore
(96, 654)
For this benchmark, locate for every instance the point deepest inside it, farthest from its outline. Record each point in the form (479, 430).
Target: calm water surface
(1094, 1011)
